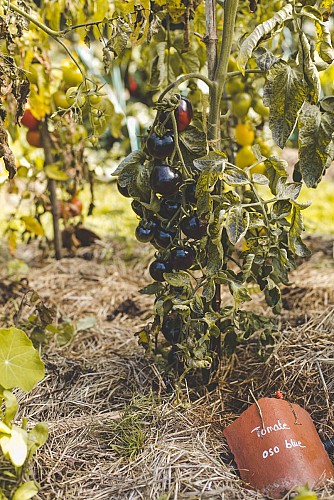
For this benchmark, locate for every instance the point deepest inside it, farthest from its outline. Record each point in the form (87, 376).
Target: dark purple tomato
(190, 193)
(160, 147)
(137, 208)
(164, 238)
(165, 180)
(182, 258)
(158, 268)
(145, 232)
(123, 190)
(172, 328)
(172, 357)
(183, 114)
(169, 207)
(193, 227)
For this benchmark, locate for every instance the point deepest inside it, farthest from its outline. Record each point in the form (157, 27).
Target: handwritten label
(262, 431)
(289, 444)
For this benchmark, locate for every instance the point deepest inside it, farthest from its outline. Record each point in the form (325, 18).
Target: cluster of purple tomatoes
(162, 229)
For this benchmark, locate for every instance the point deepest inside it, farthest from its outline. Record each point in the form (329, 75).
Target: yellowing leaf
(25, 491)
(15, 447)
(32, 225)
(40, 101)
(54, 172)
(20, 363)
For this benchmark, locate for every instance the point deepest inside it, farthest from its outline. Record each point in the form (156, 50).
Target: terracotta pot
(280, 451)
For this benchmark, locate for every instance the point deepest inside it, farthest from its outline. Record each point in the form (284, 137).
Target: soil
(118, 429)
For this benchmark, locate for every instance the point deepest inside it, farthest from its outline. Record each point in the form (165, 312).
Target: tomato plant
(228, 231)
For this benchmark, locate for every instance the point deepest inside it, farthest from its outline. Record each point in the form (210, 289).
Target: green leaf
(264, 58)
(11, 406)
(237, 223)
(314, 142)
(209, 290)
(135, 158)
(216, 228)
(20, 364)
(54, 172)
(194, 140)
(309, 69)
(214, 160)
(260, 33)
(37, 437)
(235, 176)
(25, 491)
(214, 259)
(239, 292)
(288, 190)
(65, 333)
(32, 225)
(135, 175)
(285, 92)
(178, 279)
(86, 323)
(276, 168)
(196, 305)
(205, 186)
(296, 229)
(152, 288)
(281, 209)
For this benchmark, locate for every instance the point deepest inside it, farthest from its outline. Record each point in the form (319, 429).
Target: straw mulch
(117, 432)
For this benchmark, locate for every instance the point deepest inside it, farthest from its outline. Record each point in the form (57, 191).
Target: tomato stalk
(217, 72)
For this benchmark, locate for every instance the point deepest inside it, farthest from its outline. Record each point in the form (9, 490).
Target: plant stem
(211, 38)
(184, 78)
(47, 145)
(230, 13)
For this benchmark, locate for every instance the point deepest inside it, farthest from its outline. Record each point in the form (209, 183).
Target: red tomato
(28, 120)
(34, 138)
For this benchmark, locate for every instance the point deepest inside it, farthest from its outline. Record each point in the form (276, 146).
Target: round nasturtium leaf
(20, 363)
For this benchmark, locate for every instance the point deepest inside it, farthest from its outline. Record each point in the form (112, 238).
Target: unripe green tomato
(241, 103)
(73, 97)
(234, 85)
(232, 64)
(71, 73)
(59, 99)
(94, 99)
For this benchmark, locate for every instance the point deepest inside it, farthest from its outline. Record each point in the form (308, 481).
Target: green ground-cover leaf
(20, 363)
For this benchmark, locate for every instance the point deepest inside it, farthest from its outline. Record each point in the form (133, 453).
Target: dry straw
(116, 433)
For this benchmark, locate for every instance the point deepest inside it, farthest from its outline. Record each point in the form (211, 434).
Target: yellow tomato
(244, 134)
(241, 103)
(245, 157)
(264, 148)
(259, 169)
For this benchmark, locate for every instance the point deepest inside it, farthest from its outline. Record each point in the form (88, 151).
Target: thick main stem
(230, 14)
